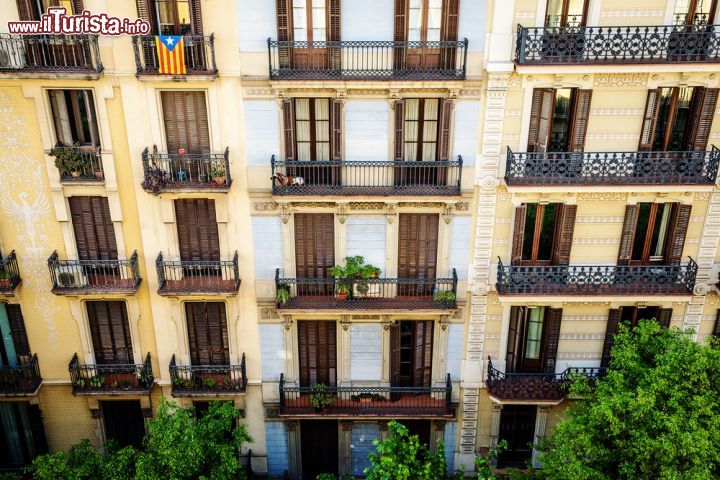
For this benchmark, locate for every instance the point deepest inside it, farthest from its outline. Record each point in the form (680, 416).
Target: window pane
(318, 19)
(553, 13)
(662, 218)
(299, 21)
(183, 8)
(415, 21)
(641, 231)
(560, 132)
(166, 17)
(434, 20)
(663, 118)
(575, 12)
(547, 231)
(302, 128)
(679, 133)
(410, 130)
(529, 233)
(534, 333)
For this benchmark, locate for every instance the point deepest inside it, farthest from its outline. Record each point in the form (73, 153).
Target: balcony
(576, 45)
(199, 55)
(207, 380)
(369, 401)
(596, 279)
(612, 168)
(50, 54)
(369, 294)
(115, 379)
(367, 178)
(78, 164)
(552, 387)
(371, 60)
(22, 380)
(88, 277)
(9, 274)
(178, 277)
(191, 171)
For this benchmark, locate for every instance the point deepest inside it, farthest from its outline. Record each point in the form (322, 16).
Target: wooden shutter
(664, 317)
(400, 34)
(336, 107)
(417, 246)
(399, 130)
(716, 328)
(610, 330)
(317, 352)
(77, 6)
(314, 244)
(449, 29)
(146, 11)
(422, 375)
(197, 229)
(196, 17)
(110, 332)
(518, 234)
(93, 227)
(27, 10)
(579, 119)
(512, 356)
(627, 237)
(207, 333)
(566, 228)
(551, 339)
(541, 113)
(649, 120)
(17, 330)
(446, 108)
(395, 354)
(283, 12)
(289, 128)
(702, 116)
(186, 121)
(680, 220)
(61, 118)
(333, 33)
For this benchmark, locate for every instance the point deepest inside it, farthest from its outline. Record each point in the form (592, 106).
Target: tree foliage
(655, 415)
(177, 446)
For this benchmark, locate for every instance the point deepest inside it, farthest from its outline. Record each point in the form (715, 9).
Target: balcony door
(533, 337)
(317, 352)
(310, 22)
(319, 447)
(566, 13)
(543, 234)
(74, 118)
(110, 332)
(315, 251)
(517, 428)
(174, 17)
(123, 421)
(654, 233)
(424, 24)
(93, 228)
(207, 330)
(411, 347)
(630, 316)
(417, 253)
(22, 436)
(186, 121)
(197, 230)
(14, 345)
(558, 120)
(694, 12)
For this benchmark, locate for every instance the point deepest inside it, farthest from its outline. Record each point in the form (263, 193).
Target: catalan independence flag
(171, 54)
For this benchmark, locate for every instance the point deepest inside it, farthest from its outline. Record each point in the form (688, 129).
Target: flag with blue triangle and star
(170, 54)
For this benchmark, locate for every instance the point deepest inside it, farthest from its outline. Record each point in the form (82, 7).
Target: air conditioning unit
(12, 59)
(366, 289)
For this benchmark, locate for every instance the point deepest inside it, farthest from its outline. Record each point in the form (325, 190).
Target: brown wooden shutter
(513, 348)
(449, 30)
(400, 34)
(283, 12)
(566, 228)
(422, 376)
(197, 229)
(649, 120)
(541, 112)
(716, 328)
(518, 234)
(110, 332)
(146, 11)
(207, 333)
(336, 129)
(446, 108)
(289, 128)
(93, 227)
(535, 108)
(196, 17)
(28, 10)
(186, 121)
(61, 118)
(395, 354)
(551, 339)
(664, 317)
(314, 244)
(17, 330)
(317, 352)
(610, 330)
(677, 232)
(77, 6)
(399, 140)
(702, 117)
(417, 246)
(627, 237)
(333, 33)
(579, 120)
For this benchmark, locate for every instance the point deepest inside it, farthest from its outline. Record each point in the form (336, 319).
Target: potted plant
(80, 383)
(4, 279)
(97, 381)
(155, 180)
(210, 383)
(282, 295)
(367, 397)
(70, 161)
(218, 173)
(445, 299)
(320, 397)
(342, 292)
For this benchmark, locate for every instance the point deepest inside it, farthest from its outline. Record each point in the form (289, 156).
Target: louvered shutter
(198, 238)
(627, 237)
(196, 17)
(146, 11)
(552, 339)
(334, 33)
(110, 332)
(17, 331)
(336, 127)
(283, 12)
(394, 354)
(422, 375)
(93, 228)
(565, 234)
(317, 352)
(446, 108)
(518, 234)
(186, 121)
(545, 121)
(92, 121)
(400, 34)
(535, 108)
(716, 328)
(701, 120)
(513, 347)
(314, 245)
(36, 428)
(610, 330)
(207, 333)
(449, 31)
(61, 118)
(649, 120)
(664, 317)
(579, 120)
(417, 246)
(77, 6)
(27, 10)
(289, 128)
(678, 232)
(399, 140)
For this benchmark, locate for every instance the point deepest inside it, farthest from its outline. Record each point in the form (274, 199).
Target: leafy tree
(655, 415)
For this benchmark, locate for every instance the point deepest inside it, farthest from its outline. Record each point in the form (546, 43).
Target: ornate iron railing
(366, 178)
(199, 55)
(599, 45)
(165, 171)
(49, 53)
(90, 379)
(21, 380)
(89, 167)
(536, 386)
(197, 380)
(367, 60)
(94, 276)
(612, 168)
(371, 293)
(197, 277)
(9, 273)
(596, 279)
(371, 401)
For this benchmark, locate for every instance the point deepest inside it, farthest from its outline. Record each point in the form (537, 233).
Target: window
(421, 129)
(631, 316)
(309, 21)
(173, 17)
(207, 333)
(694, 12)
(654, 233)
(651, 233)
(14, 346)
(565, 13)
(33, 9)
(110, 332)
(123, 421)
(424, 20)
(94, 229)
(533, 341)
(186, 121)
(317, 352)
(558, 120)
(312, 128)
(74, 117)
(22, 436)
(533, 336)
(411, 347)
(671, 131)
(540, 232)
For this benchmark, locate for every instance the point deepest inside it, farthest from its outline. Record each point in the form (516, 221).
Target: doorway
(517, 428)
(319, 447)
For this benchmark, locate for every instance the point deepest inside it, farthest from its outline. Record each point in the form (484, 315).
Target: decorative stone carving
(369, 92)
(342, 214)
(480, 289)
(702, 195)
(314, 204)
(287, 321)
(267, 313)
(272, 412)
(390, 213)
(345, 322)
(366, 317)
(367, 205)
(489, 182)
(285, 214)
(265, 206)
(701, 289)
(462, 206)
(421, 204)
(620, 79)
(290, 425)
(515, 80)
(602, 196)
(444, 320)
(387, 322)
(346, 425)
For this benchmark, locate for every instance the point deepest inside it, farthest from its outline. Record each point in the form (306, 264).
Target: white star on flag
(169, 40)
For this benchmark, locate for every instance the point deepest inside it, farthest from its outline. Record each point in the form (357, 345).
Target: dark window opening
(421, 124)
(22, 436)
(74, 117)
(694, 12)
(652, 233)
(124, 422)
(517, 428)
(632, 315)
(540, 233)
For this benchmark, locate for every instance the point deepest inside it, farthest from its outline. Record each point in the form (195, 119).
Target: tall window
(110, 332)
(33, 9)
(694, 12)
(566, 13)
(424, 20)
(558, 119)
(22, 436)
(74, 117)
(173, 17)
(421, 129)
(654, 233)
(543, 234)
(533, 335)
(309, 20)
(312, 128)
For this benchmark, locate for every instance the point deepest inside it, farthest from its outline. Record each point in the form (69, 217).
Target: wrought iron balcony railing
(191, 277)
(22, 380)
(9, 273)
(170, 171)
(49, 54)
(371, 293)
(73, 277)
(367, 60)
(366, 178)
(207, 380)
(596, 279)
(112, 379)
(89, 167)
(199, 55)
(536, 386)
(370, 401)
(622, 44)
(612, 168)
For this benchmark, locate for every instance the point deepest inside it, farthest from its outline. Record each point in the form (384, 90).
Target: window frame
(421, 123)
(176, 16)
(564, 14)
(648, 242)
(537, 230)
(313, 124)
(74, 118)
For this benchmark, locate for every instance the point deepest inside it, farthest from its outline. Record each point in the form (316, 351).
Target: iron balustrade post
(281, 387)
(465, 54)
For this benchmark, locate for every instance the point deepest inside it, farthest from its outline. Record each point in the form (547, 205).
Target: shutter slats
(400, 27)
(207, 333)
(289, 128)
(552, 339)
(610, 330)
(716, 328)
(649, 120)
(446, 108)
(678, 232)
(317, 352)
(703, 119)
(544, 123)
(399, 141)
(450, 24)
(664, 317)
(186, 121)
(110, 332)
(27, 10)
(579, 120)
(314, 245)
(93, 228)
(394, 354)
(627, 236)
(17, 330)
(534, 119)
(336, 139)
(196, 17)
(511, 355)
(565, 230)
(417, 246)
(197, 229)
(518, 234)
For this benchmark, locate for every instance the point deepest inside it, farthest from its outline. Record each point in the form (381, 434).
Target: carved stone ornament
(291, 425)
(444, 320)
(287, 321)
(265, 206)
(342, 213)
(480, 289)
(345, 322)
(346, 425)
(462, 206)
(314, 204)
(420, 204)
(701, 289)
(489, 182)
(267, 313)
(620, 79)
(387, 322)
(367, 205)
(607, 196)
(272, 412)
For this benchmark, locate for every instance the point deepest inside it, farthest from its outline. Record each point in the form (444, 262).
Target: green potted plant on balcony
(367, 397)
(282, 295)
(4, 279)
(80, 383)
(156, 179)
(218, 173)
(444, 299)
(69, 161)
(98, 381)
(320, 397)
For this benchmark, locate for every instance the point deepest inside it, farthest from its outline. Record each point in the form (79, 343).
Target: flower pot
(75, 174)
(4, 282)
(219, 180)
(342, 296)
(366, 399)
(98, 174)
